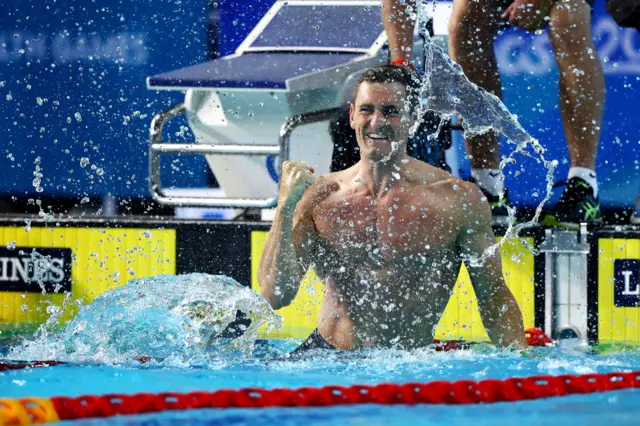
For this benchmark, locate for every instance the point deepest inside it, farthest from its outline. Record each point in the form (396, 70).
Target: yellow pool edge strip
(102, 258)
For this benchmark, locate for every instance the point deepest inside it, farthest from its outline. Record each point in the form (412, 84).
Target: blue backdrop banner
(74, 107)
(75, 111)
(530, 80)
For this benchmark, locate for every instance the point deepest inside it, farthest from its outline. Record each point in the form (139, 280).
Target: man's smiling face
(380, 120)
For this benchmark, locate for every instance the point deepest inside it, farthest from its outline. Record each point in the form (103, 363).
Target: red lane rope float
(40, 410)
(537, 337)
(6, 366)
(534, 336)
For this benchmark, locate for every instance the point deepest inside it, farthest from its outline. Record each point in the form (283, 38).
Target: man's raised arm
(285, 257)
(399, 20)
(498, 308)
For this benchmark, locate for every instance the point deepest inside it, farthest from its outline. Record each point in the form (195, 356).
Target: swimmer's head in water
(381, 113)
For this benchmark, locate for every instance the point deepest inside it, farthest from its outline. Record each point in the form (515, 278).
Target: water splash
(447, 91)
(165, 317)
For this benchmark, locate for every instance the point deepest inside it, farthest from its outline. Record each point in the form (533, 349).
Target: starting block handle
(300, 120)
(157, 148)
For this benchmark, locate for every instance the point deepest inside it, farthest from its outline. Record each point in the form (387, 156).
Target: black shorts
(314, 341)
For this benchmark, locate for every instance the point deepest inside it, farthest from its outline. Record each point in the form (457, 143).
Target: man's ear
(412, 120)
(351, 113)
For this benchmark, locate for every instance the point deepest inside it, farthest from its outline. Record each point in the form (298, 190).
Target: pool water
(172, 319)
(269, 367)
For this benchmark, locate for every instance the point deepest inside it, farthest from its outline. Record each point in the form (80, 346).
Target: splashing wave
(162, 317)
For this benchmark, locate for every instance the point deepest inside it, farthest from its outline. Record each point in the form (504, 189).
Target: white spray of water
(163, 317)
(446, 91)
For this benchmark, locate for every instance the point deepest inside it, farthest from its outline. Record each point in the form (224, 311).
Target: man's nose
(378, 118)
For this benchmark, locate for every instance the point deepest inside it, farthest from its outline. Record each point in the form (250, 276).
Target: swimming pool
(269, 368)
(172, 318)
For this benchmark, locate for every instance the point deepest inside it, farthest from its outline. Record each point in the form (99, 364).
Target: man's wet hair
(386, 74)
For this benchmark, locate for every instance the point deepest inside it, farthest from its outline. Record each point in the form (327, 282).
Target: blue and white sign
(530, 80)
(626, 289)
(75, 111)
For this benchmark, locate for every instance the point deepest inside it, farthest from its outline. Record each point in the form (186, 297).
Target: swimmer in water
(386, 236)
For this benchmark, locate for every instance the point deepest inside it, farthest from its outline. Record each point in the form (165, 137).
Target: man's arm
(285, 257)
(399, 24)
(498, 308)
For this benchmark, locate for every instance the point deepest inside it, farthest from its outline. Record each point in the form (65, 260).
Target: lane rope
(25, 411)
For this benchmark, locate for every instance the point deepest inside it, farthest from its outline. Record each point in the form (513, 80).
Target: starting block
(273, 99)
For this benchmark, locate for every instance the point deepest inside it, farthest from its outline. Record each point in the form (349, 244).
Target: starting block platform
(273, 98)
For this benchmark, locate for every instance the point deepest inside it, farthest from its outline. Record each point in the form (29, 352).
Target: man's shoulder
(326, 184)
(428, 176)
(472, 205)
(319, 191)
(458, 195)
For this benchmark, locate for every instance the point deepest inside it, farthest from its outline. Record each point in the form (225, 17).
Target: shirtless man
(386, 236)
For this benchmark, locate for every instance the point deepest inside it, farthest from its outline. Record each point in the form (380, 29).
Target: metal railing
(177, 197)
(565, 292)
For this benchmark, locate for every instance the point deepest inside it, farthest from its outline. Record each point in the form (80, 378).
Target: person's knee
(570, 24)
(473, 22)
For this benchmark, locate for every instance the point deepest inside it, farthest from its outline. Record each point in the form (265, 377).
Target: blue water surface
(271, 368)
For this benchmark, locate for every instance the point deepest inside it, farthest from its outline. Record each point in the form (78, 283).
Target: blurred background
(75, 110)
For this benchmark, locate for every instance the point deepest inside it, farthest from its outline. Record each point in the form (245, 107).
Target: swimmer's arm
(398, 24)
(285, 258)
(498, 308)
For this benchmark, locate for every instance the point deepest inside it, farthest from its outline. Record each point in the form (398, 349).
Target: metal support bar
(203, 149)
(566, 283)
(300, 120)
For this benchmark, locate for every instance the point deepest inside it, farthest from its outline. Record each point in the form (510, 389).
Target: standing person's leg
(472, 29)
(582, 97)
(399, 20)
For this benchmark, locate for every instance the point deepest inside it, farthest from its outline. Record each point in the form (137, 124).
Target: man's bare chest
(364, 230)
